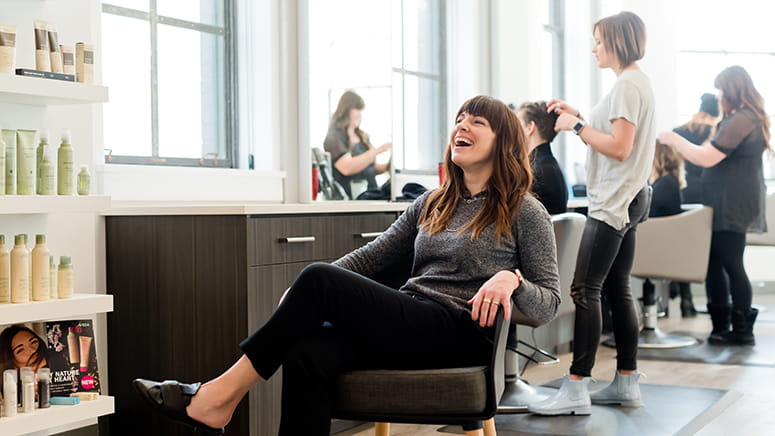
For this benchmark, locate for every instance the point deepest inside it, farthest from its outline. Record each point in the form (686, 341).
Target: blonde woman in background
(620, 135)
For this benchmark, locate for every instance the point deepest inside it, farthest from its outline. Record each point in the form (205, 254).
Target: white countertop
(166, 208)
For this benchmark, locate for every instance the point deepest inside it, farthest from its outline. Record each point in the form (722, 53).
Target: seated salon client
(549, 184)
(479, 242)
(698, 130)
(352, 154)
(667, 181)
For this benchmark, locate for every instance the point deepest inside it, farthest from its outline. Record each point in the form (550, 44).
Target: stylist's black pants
(367, 326)
(726, 272)
(603, 265)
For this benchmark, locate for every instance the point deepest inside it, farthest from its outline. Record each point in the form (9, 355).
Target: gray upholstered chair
(671, 248)
(463, 396)
(769, 237)
(568, 228)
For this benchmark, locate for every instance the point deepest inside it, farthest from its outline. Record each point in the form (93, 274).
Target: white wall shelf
(43, 92)
(56, 417)
(39, 204)
(70, 308)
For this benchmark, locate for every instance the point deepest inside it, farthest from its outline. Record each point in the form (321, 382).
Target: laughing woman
(480, 241)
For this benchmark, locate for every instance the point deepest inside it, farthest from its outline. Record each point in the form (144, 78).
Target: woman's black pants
(726, 272)
(603, 265)
(333, 320)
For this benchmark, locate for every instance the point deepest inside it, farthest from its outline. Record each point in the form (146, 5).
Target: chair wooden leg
(381, 428)
(474, 432)
(489, 427)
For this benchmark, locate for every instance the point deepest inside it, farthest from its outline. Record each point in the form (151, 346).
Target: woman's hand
(565, 121)
(494, 292)
(560, 107)
(384, 147)
(669, 138)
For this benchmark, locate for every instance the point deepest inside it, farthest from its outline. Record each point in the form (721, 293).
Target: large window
(717, 34)
(169, 65)
(391, 53)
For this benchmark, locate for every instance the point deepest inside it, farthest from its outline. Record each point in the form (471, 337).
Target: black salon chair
(465, 396)
(568, 228)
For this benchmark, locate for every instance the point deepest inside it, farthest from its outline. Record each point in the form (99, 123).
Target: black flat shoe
(170, 398)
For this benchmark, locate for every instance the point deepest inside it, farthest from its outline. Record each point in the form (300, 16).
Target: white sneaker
(624, 391)
(571, 399)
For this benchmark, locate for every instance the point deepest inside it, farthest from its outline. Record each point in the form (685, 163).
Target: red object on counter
(315, 181)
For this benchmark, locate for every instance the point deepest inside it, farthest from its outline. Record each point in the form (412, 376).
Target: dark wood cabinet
(188, 289)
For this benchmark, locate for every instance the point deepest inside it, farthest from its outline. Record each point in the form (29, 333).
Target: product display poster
(72, 357)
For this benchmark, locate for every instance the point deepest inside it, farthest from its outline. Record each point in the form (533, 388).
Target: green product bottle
(39, 155)
(84, 180)
(25, 162)
(65, 277)
(65, 166)
(2, 164)
(47, 180)
(9, 136)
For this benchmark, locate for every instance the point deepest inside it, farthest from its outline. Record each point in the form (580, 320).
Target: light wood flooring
(752, 414)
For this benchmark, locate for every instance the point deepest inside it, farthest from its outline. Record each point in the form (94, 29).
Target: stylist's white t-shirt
(612, 185)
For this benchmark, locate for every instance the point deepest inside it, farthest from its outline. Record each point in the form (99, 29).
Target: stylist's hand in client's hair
(494, 292)
(560, 107)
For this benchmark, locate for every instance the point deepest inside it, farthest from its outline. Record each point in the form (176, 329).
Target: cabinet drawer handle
(368, 235)
(297, 239)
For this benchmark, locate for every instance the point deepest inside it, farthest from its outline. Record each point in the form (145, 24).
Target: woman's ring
(495, 303)
(487, 300)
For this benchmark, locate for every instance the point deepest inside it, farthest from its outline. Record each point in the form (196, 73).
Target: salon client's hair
(6, 353)
(348, 101)
(537, 113)
(668, 161)
(738, 92)
(624, 35)
(511, 177)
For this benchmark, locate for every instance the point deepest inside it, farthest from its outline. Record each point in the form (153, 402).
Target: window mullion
(154, 21)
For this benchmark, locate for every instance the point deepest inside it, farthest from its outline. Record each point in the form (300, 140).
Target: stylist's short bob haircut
(623, 34)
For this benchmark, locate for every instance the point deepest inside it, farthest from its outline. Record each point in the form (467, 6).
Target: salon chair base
(518, 395)
(656, 338)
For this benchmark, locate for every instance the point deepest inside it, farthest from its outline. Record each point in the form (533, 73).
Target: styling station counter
(191, 281)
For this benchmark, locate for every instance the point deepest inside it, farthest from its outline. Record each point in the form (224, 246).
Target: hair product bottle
(65, 166)
(25, 162)
(28, 389)
(85, 343)
(52, 278)
(84, 180)
(10, 394)
(73, 347)
(5, 272)
(20, 271)
(39, 153)
(9, 137)
(40, 270)
(46, 179)
(65, 277)
(44, 388)
(2, 164)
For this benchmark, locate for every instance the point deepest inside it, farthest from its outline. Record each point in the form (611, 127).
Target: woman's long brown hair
(348, 101)
(738, 91)
(511, 177)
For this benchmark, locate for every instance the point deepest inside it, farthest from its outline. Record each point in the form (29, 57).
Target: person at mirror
(353, 155)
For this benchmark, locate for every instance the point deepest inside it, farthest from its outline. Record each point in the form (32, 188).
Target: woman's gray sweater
(450, 267)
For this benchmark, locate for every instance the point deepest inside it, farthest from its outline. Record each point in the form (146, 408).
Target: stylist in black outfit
(549, 184)
(733, 185)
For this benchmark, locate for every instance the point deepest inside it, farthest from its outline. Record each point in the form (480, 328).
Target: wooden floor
(751, 414)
